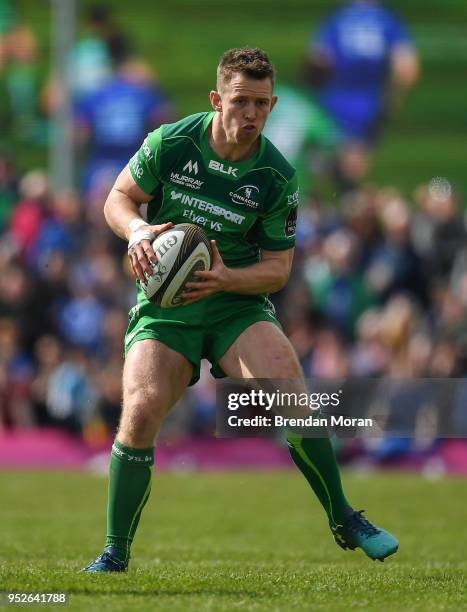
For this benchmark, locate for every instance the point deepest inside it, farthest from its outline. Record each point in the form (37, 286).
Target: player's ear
(273, 102)
(215, 100)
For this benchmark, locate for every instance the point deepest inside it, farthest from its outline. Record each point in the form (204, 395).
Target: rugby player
(214, 169)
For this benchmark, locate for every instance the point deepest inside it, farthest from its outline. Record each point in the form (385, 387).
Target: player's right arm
(133, 187)
(122, 213)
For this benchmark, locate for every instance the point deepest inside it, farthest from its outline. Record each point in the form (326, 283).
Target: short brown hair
(254, 63)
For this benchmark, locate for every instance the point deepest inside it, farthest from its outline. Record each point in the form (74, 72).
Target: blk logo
(231, 170)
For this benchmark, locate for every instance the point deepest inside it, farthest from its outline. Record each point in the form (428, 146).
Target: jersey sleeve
(276, 229)
(145, 163)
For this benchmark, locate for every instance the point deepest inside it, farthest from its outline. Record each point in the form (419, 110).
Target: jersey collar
(209, 155)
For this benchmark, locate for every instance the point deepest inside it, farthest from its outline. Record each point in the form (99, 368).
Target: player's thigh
(262, 351)
(154, 378)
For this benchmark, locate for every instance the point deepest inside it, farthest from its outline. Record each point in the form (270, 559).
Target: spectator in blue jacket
(360, 60)
(113, 121)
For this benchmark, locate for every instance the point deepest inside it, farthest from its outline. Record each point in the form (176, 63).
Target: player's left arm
(267, 276)
(276, 238)
(404, 65)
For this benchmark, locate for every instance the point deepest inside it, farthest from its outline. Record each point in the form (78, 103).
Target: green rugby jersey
(244, 206)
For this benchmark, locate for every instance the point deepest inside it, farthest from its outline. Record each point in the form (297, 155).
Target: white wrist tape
(138, 236)
(136, 224)
(138, 232)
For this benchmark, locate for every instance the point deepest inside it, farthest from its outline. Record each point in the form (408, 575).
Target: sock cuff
(293, 438)
(136, 456)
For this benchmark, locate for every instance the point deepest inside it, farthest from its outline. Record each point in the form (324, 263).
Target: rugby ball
(180, 251)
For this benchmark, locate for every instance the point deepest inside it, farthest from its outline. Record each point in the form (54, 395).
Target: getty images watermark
(283, 401)
(265, 407)
(422, 408)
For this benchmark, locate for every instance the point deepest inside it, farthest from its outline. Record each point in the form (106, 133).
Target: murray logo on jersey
(191, 167)
(187, 181)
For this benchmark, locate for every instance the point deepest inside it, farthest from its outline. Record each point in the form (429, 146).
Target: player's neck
(225, 150)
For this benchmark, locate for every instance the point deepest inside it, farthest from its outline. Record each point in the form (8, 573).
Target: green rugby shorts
(204, 329)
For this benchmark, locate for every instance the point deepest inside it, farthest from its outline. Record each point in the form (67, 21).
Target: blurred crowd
(379, 283)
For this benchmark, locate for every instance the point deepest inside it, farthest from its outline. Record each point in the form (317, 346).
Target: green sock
(129, 488)
(315, 458)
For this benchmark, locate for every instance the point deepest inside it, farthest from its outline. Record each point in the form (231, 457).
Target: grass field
(239, 541)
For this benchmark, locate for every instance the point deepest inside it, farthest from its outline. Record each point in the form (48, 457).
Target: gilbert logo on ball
(180, 251)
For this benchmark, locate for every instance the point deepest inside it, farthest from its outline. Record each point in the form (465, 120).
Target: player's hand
(210, 281)
(140, 251)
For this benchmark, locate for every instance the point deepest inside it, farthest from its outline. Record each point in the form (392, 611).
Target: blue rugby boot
(107, 562)
(358, 532)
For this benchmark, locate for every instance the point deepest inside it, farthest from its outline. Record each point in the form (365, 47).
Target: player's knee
(146, 405)
(144, 393)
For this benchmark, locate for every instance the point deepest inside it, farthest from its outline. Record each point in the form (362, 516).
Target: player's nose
(250, 111)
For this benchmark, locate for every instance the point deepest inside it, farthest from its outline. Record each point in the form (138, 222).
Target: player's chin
(245, 136)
